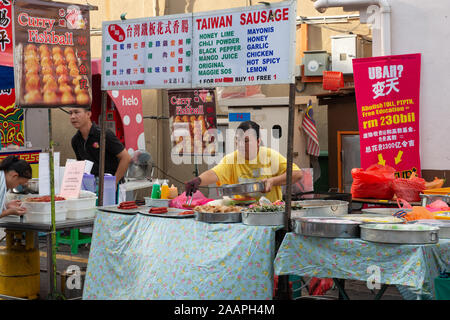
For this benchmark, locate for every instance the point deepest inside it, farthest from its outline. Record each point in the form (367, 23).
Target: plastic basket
(333, 80)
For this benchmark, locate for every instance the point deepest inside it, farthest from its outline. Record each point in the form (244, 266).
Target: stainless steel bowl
(241, 188)
(326, 227)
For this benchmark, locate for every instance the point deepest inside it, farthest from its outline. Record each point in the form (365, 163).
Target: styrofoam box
(81, 214)
(44, 207)
(156, 202)
(80, 204)
(39, 217)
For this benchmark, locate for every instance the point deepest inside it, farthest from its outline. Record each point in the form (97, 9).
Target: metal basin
(319, 208)
(326, 227)
(227, 217)
(263, 218)
(400, 234)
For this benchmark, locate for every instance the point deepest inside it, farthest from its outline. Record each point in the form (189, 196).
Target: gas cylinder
(20, 265)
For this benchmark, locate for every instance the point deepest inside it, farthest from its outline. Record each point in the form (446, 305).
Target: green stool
(74, 240)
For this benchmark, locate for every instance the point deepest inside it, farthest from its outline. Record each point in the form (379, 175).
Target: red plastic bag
(198, 200)
(319, 286)
(408, 189)
(375, 182)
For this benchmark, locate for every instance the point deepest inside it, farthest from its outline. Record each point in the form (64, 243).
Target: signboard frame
(105, 25)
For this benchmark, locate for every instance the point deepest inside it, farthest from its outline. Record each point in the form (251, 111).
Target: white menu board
(244, 46)
(147, 53)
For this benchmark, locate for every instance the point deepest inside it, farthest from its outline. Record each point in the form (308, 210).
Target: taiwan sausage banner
(51, 54)
(387, 97)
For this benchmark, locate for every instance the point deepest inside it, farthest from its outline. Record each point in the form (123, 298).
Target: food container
(241, 188)
(326, 227)
(319, 208)
(400, 233)
(33, 185)
(384, 211)
(81, 214)
(374, 218)
(443, 225)
(263, 218)
(218, 217)
(156, 202)
(44, 207)
(81, 204)
(41, 217)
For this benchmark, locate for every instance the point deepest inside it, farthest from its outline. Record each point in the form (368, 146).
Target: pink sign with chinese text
(387, 98)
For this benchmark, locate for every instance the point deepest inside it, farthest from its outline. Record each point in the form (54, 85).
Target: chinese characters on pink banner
(387, 97)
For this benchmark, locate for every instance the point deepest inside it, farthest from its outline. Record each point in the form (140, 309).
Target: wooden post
(101, 167)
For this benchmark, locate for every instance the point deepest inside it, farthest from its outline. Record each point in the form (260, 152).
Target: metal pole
(283, 281)
(52, 270)
(101, 168)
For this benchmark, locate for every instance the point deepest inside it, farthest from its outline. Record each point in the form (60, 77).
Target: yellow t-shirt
(269, 163)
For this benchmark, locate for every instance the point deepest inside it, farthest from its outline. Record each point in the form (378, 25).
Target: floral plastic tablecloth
(411, 267)
(143, 257)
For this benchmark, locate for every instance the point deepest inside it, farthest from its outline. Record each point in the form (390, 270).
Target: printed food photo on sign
(51, 54)
(192, 121)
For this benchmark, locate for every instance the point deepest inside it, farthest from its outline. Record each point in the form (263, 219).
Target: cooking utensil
(228, 217)
(241, 188)
(319, 208)
(326, 227)
(400, 233)
(263, 218)
(443, 225)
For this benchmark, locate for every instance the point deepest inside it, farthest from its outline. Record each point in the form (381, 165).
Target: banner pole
(101, 168)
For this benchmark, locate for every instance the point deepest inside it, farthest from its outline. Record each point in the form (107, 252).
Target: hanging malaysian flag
(309, 126)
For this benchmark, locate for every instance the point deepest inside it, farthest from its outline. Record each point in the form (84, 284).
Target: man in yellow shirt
(250, 162)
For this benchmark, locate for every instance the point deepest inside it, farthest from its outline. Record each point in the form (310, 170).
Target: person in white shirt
(13, 172)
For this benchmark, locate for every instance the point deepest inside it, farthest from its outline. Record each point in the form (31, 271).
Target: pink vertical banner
(387, 98)
(129, 106)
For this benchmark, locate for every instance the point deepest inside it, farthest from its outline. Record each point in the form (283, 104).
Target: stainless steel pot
(228, 217)
(326, 228)
(241, 188)
(443, 225)
(263, 218)
(319, 208)
(375, 233)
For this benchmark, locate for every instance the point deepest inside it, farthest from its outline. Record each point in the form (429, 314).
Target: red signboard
(387, 97)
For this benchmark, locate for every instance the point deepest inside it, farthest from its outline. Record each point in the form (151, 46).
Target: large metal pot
(319, 208)
(263, 218)
(218, 217)
(401, 234)
(326, 227)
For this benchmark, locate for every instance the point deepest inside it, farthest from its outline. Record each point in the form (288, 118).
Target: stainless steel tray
(228, 217)
(313, 226)
(263, 218)
(242, 188)
(375, 233)
(443, 225)
(358, 217)
(171, 213)
(384, 211)
(114, 209)
(319, 208)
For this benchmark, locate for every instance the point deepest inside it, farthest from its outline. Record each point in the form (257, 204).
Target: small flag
(309, 126)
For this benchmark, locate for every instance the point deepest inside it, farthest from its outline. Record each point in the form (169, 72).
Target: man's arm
(124, 161)
(281, 179)
(208, 177)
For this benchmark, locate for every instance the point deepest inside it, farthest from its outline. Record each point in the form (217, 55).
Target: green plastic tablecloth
(411, 267)
(144, 257)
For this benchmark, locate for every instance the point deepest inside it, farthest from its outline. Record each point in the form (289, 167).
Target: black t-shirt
(90, 149)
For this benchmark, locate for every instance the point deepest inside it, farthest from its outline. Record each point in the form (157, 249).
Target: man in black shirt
(86, 145)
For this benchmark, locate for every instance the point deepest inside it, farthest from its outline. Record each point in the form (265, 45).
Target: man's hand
(17, 211)
(268, 184)
(192, 186)
(13, 204)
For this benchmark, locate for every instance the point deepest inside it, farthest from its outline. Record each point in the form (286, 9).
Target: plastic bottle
(109, 190)
(165, 190)
(173, 192)
(156, 190)
(88, 183)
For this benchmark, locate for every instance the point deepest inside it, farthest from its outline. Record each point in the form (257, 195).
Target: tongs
(189, 199)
